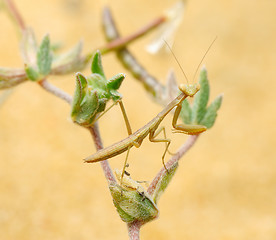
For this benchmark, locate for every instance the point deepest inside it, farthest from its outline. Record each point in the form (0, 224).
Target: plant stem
(175, 158)
(15, 14)
(134, 230)
(150, 83)
(123, 41)
(94, 130)
(55, 90)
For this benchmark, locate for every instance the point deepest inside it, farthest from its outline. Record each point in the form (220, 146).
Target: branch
(150, 83)
(134, 230)
(117, 43)
(93, 130)
(55, 90)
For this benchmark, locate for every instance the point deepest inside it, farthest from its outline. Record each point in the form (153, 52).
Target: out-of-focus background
(225, 187)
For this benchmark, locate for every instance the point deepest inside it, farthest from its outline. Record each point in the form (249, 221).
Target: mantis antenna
(176, 61)
(199, 62)
(204, 57)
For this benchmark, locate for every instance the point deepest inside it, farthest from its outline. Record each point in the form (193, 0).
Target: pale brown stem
(94, 130)
(55, 90)
(134, 230)
(123, 41)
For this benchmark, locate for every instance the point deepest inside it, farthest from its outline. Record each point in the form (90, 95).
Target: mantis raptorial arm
(128, 127)
(183, 128)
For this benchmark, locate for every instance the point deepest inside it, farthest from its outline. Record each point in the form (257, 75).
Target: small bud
(132, 202)
(32, 74)
(93, 92)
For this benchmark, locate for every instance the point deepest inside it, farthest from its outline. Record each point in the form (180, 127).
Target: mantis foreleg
(183, 128)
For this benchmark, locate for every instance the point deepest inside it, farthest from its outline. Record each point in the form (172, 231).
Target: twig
(93, 130)
(134, 230)
(150, 83)
(55, 90)
(98, 143)
(120, 42)
(15, 14)
(175, 158)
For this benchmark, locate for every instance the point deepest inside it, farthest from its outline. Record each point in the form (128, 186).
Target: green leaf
(163, 182)
(81, 83)
(116, 81)
(44, 56)
(201, 98)
(32, 74)
(186, 112)
(211, 112)
(96, 66)
(87, 110)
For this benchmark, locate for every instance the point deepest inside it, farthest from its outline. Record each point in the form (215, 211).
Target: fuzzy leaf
(201, 98)
(81, 83)
(44, 56)
(96, 66)
(28, 47)
(85, 114)
(115, 82)
(32, 74)
(211, 112)
(186, 112)
(164, 182)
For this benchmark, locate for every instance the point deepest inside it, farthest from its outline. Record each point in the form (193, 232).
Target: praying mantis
(136, 138)
(151, 128)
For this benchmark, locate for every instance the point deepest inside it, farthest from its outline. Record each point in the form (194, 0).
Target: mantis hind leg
(183, 128)
(167, 141)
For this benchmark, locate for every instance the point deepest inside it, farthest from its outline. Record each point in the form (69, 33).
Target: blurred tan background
(225, 188)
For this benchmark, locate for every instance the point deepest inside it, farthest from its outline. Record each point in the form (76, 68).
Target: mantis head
(189, 89)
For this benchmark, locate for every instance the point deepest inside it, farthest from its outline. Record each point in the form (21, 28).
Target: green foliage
(199, 113)
(93, 92)
(44, 56)
(133, 205)
(164, 182)
(32, 74)
(211, 112)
